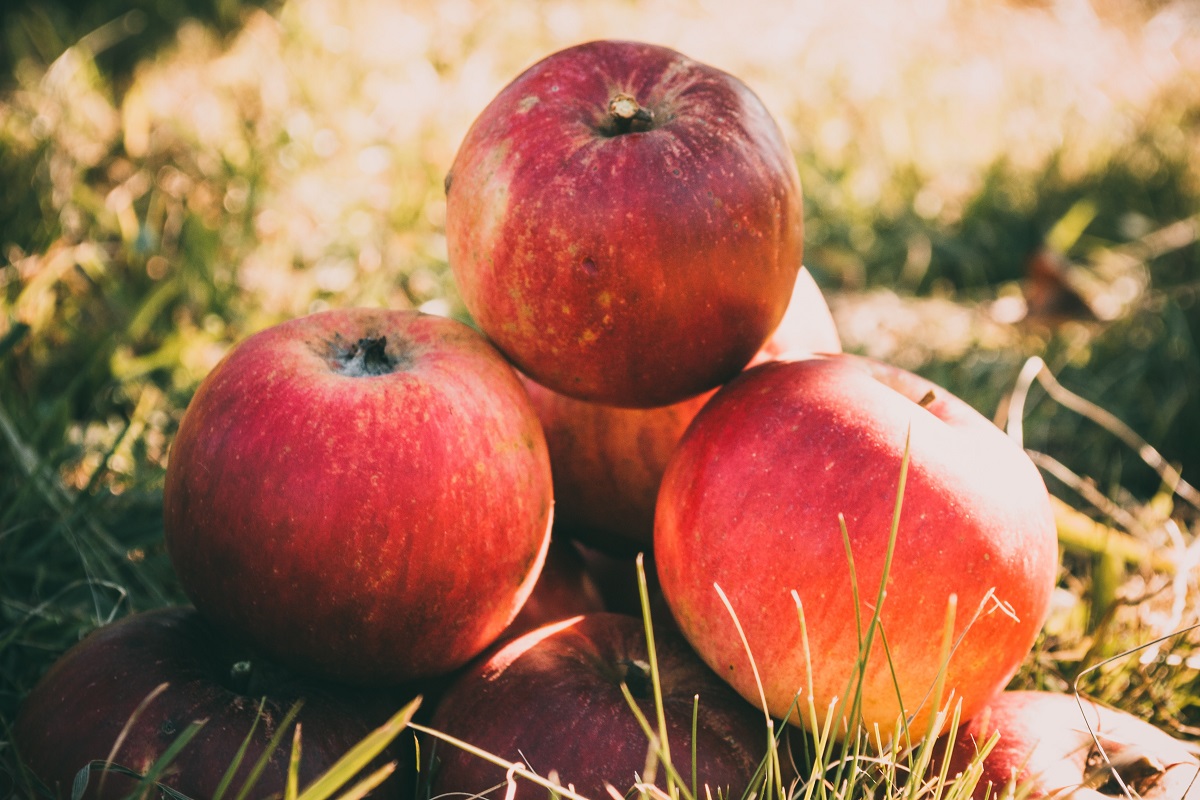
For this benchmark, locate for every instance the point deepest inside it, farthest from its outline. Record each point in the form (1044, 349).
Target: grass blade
(292, 789)
(80, 784)
(120, 740)
(513, 768)
(673, 776)
(272, 746)
(367, 784)
(238, 757)
(360, 755)
(652, 655)
(695, 727)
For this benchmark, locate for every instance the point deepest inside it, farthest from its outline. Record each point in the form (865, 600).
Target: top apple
(625, 223)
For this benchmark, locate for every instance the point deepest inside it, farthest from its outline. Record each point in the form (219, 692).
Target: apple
(751, 503)
(625, 223)
(565, 588)
(607, 461)
(616, 578)
(552, 700)
(363, 494)
(78, 712)
(1054, 745)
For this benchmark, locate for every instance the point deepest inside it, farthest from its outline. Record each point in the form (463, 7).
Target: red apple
(625, 223)
(79, 710)
(363, 494)
(608, 461)
(751, 503)
(1054, 745)
(565, 588)
(616, 578)
(552, 700)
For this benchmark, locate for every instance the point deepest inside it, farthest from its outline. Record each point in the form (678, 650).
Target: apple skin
(565, 588)
(76, 712)
(608, 461)
(1046, 749)
(616, 578)
(369, 528)
(751, 502)
(552, 699)
(632, 268)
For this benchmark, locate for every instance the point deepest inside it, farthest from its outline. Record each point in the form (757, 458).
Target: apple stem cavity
(635, 674)
(367, 357)
(627, 115)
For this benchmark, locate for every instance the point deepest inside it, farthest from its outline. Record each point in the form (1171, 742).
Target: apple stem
(628, 115)
(241, 673)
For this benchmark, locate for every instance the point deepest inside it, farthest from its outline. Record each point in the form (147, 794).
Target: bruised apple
(608, 461)
(1053, 745)
(625, 223)
(363, 494)
(754, 502)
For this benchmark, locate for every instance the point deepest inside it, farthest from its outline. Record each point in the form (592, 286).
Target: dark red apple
(552, 700)
(751, 502)
(565, 588)
(79, 710)
(625, 223)
(363, 494)
(608, 461)
(616, 578)
(1053, 745)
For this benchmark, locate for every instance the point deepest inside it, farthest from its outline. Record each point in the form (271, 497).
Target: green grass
(177, 179)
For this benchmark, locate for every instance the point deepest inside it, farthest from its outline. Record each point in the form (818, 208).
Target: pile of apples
(379, 503)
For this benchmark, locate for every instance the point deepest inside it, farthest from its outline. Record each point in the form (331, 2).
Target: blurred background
(985, 181)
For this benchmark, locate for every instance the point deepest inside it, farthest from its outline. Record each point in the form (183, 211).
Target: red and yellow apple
(608, 461)
(86, 709)
(752, 503)
(363, 494)
(552, 700)
(625, 223)
(1054, 745)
